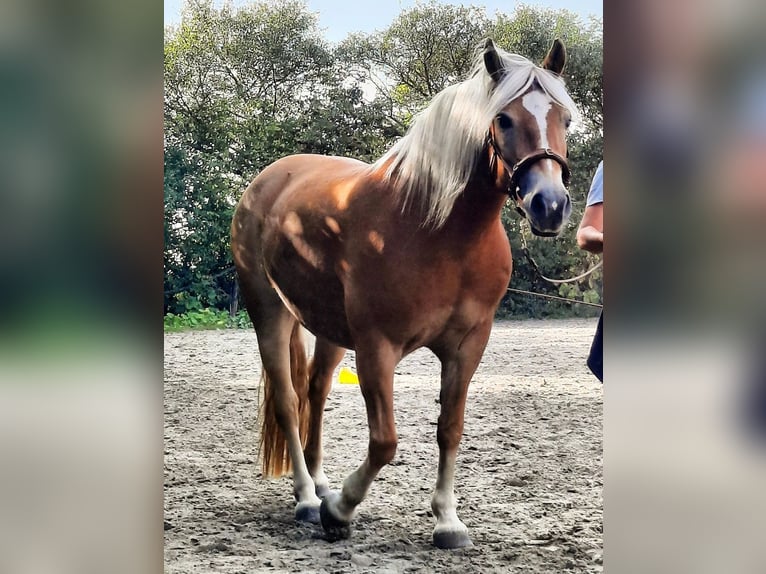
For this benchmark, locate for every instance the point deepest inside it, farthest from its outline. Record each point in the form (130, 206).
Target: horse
(389, 257)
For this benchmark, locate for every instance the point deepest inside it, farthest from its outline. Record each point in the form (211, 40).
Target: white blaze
(538, 103)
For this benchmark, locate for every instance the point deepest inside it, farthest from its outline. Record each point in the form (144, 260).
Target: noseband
(516, 171)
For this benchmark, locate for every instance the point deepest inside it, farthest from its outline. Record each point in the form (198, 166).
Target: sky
(339, 17)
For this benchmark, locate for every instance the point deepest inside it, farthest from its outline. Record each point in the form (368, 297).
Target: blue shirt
(596, 193)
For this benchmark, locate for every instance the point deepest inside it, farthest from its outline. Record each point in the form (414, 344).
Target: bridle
(516, 171)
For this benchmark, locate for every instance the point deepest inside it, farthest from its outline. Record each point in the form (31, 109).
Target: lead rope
(525, 249)
(554, 297)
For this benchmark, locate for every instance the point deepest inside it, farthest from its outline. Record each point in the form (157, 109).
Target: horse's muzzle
(548, 210)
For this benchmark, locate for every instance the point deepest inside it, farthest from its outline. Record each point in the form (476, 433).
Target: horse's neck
(479, 206)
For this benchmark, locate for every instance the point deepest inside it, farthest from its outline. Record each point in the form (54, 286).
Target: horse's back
(291, 183)
(287, 234)
(304, 172)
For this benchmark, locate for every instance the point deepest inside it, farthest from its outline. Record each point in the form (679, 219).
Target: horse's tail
(275, 455)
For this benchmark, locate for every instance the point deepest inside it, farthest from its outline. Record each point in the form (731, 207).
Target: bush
(206, 319)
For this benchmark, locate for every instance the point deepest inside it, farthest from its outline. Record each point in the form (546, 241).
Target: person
(590, 237)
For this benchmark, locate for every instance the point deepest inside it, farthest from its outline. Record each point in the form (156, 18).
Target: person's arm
(590, 235)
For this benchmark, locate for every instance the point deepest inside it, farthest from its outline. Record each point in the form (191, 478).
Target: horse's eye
(567, 122)
(504, 122)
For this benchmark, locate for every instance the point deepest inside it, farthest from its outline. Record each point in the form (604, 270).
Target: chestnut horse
(386, 258)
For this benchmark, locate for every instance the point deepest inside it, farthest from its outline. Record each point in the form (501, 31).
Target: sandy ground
(529, 476)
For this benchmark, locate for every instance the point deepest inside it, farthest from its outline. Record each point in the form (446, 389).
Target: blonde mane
(431, 165)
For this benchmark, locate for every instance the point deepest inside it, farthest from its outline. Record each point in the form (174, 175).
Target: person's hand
(590, 239)
(590, 235)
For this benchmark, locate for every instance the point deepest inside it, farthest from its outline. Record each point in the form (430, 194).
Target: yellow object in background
(347, 377)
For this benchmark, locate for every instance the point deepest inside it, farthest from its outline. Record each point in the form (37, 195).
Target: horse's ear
(492, 61)
(556, 58)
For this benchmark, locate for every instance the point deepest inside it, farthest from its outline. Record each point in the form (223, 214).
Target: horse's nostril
(537, 205)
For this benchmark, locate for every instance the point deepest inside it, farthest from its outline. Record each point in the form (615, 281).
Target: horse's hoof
(334, 529)
(448, 539)
(308, 514)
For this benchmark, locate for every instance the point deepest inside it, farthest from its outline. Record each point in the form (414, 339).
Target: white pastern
(443, 502)
(303, 484)
(320, 478)
(538, 104)
(354, 490)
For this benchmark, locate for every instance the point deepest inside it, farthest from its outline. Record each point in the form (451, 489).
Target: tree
(424, 50)
(244, 87)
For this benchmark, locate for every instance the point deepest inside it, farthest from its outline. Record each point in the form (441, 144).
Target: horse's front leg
(459, 361)
(376, 359)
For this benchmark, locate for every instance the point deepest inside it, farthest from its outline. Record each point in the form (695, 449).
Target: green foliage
(244, 87)
(247, 85)
(206, 319)
(558, 258)
(426, 49)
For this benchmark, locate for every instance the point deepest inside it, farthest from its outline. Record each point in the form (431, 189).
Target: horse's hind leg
(274, 344)
(282, 356)
(326, 358)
